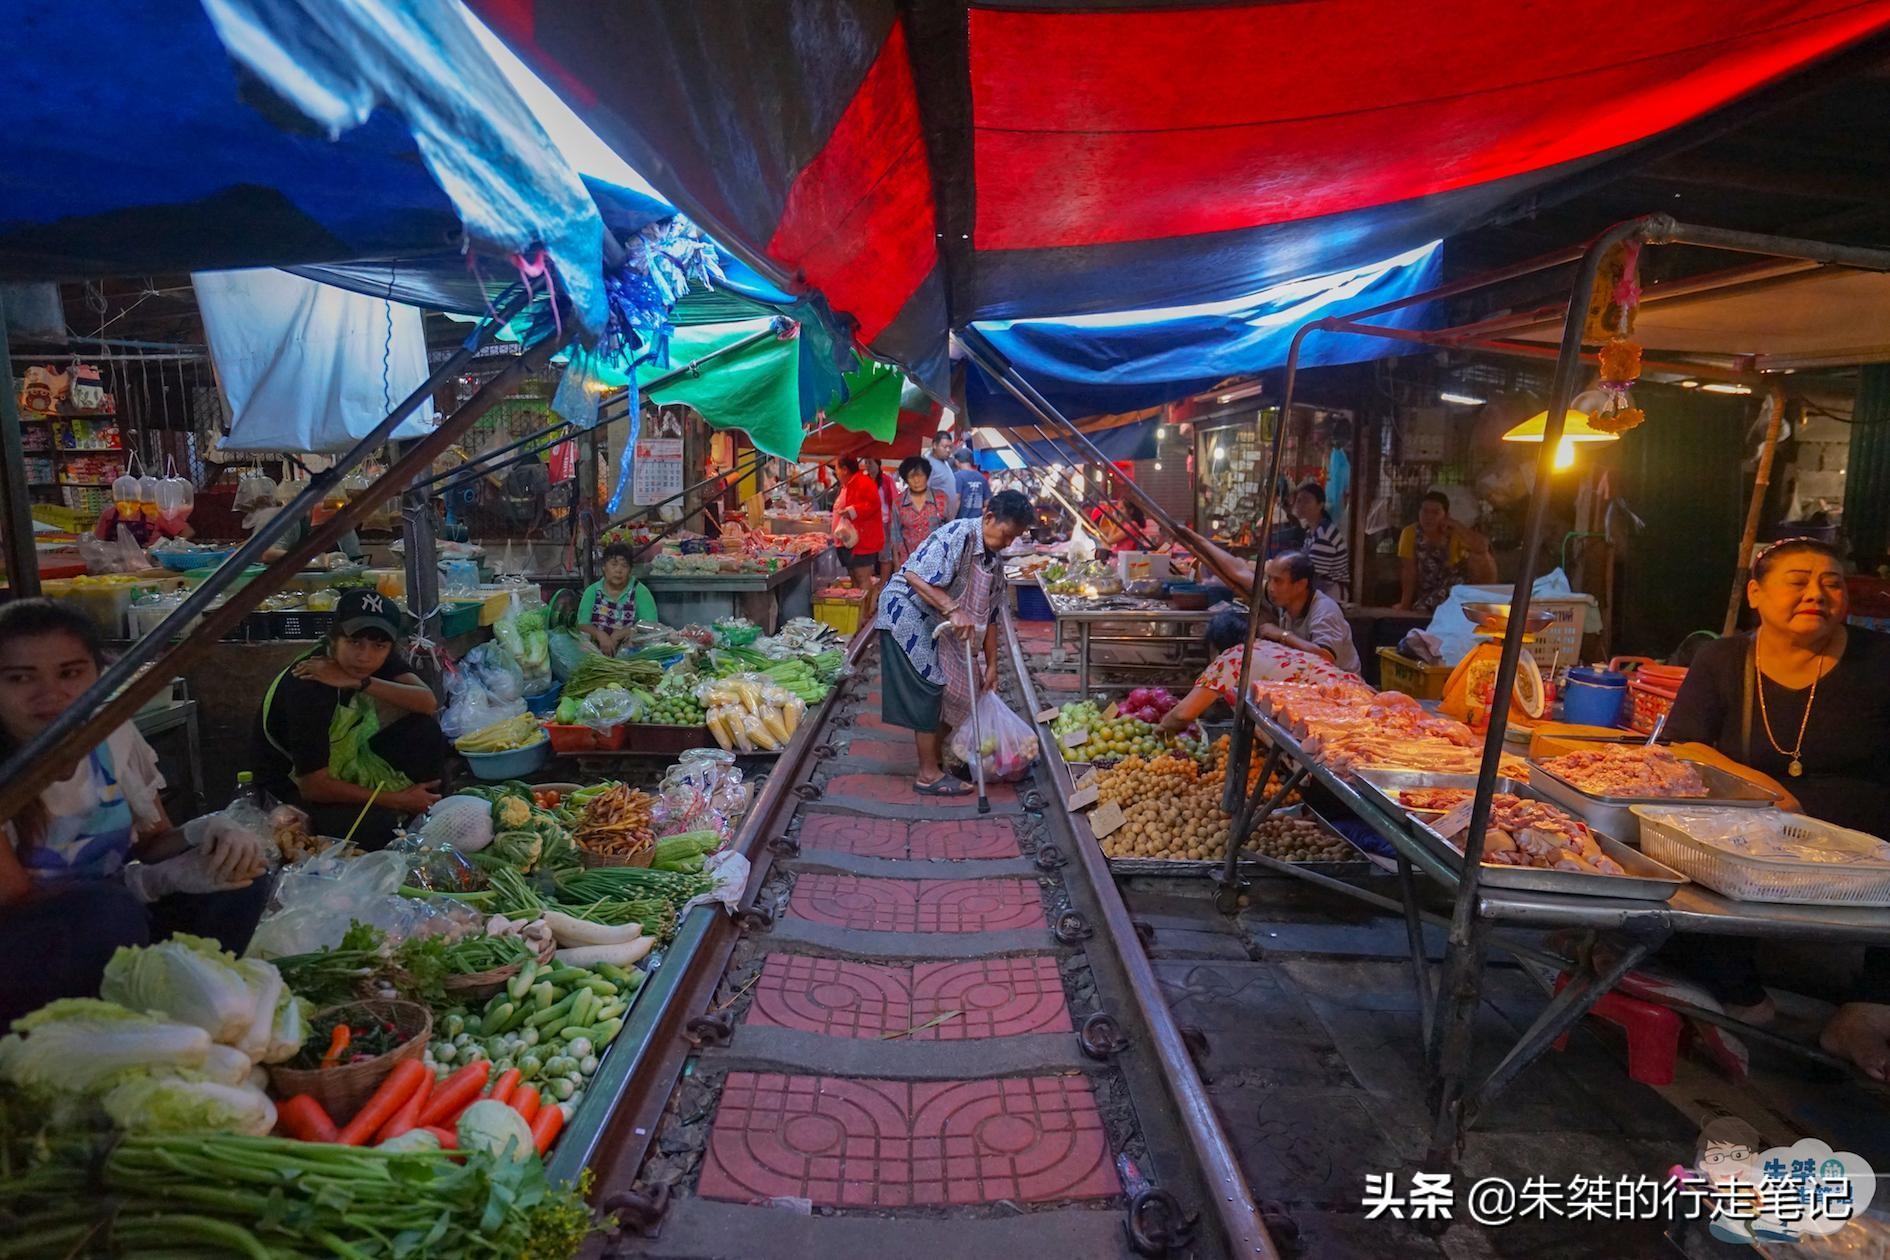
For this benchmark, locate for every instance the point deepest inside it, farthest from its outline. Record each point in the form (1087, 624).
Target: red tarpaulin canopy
(929, 163)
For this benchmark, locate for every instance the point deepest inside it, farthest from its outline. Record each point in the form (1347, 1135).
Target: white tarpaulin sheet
(300, 364)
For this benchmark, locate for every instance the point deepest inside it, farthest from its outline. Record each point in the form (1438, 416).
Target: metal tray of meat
(1383, 786)
(1615, 814)
(1644, 878)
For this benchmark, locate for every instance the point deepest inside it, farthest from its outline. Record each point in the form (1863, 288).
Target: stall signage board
(1449, 825)
(1075, 739)
(1105, 819)
(657, 470)
(1084, 797)
(1049, 715)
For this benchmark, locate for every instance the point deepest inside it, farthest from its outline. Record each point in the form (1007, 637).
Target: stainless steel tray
(1645, 879)
(1615, 814)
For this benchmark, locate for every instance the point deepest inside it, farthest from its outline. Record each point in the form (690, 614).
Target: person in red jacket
(858, 509)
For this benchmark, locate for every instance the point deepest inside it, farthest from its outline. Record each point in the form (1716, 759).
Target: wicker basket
(342, 1090)
(483, 984)
(607, 859)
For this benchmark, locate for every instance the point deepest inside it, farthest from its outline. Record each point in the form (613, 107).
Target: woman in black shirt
(352, 723)
(1806, 699)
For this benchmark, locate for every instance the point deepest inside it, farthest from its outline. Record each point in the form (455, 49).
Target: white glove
(233, 851)
(188, 872)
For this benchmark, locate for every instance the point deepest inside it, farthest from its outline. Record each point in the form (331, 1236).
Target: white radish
(627, 954)
(576, 932)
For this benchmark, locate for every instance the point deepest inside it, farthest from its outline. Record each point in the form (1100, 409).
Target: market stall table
(1111, 620)
(768, 599)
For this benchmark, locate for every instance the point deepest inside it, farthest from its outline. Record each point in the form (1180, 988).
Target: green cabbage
(78, 1045)
(410, 1141)
(289, 1029)
(494, 1127)
(173, 1105)
(186, 978)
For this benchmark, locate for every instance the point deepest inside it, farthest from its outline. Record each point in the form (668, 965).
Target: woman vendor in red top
(858, 506)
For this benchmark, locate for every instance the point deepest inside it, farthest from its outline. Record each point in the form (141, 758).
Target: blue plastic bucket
(1593, 697)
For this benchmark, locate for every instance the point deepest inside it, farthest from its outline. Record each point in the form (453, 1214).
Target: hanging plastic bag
(579, 390)
(1008, 744)
(175, 499)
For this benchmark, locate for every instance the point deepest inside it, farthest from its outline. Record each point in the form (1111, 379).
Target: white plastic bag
(1005, 741)
(484, 688)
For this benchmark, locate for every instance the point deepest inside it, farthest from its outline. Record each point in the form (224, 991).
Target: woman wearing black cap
(349, 723)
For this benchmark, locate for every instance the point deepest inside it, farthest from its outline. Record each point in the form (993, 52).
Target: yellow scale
(1475, 675)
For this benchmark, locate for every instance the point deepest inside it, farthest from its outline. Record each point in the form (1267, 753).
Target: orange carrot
(503, 1087)
(408, 1116)
(337, 1045)
(408, 1075)
(448, 1139)
(302, 1118)
(453, 1094)
(545, 1128)
(526, 1102)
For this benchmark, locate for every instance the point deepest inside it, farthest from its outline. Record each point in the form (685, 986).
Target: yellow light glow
(1564, 454)
(1575, 428)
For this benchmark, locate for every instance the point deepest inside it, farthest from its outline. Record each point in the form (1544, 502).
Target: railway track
(929, 1032)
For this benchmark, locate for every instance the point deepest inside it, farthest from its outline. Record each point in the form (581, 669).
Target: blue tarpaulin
(1123, 361)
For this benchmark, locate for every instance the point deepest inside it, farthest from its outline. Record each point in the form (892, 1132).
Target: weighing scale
(1474, 679)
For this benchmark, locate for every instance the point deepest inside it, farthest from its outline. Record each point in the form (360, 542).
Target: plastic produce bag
(436, 866)
(568, 650)
(484, 689)
(317, 900)
(1009, 744)
(607, 708)
(524, 634)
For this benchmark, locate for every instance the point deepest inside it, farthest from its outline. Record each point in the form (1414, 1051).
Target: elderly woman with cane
(953, 579)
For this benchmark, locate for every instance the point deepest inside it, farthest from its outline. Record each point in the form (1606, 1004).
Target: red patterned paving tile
(833, 998)
(848, 901)
(848, 833)
(978, 905)
(1001, 997)
(963, 839)
(887, 1144)
(894, 757)
(897, 789)
(916, 905)
(1005, 997)
(869, 720)
(1056, 682)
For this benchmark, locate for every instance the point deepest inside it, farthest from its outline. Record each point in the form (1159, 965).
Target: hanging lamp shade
(1576, 426)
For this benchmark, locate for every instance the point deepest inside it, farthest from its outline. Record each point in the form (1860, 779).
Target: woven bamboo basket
(342, 1090)
(483, 984)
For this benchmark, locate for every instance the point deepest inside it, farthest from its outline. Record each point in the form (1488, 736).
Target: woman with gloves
(94, 863)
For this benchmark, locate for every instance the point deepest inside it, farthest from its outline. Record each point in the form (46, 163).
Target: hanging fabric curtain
(308, 367)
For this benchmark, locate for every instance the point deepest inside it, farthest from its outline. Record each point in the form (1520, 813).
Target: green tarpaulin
(755, 388)
(872, 405)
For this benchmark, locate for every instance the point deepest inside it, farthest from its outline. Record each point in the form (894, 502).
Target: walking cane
(977, 727)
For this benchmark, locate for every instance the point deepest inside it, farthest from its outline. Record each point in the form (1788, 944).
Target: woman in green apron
(352, 723)
(93, 862)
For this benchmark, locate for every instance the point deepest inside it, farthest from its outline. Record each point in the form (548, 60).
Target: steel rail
(1232, 1199)
(121, 689)
(646, 1060)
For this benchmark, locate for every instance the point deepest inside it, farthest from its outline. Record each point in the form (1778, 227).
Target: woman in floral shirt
(920, 508)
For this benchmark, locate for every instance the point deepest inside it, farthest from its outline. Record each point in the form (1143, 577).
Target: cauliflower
(520, 849)
(511, 813)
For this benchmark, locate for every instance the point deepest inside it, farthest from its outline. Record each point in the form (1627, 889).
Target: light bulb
(1565, 454)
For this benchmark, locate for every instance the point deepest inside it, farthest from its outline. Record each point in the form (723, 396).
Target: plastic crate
(1668, 834)
(299, 623)
(1033, 604)
(457, 618)
(1398, 672)
(842, 614)
(1560, 642)
(580, 739)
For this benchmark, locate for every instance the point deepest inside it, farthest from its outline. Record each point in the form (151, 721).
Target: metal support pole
(22, 555)
(1451, 1035)
(1236, 832)
(422, 556)
(1414, 938)
(1775, 420)
(1240, 747)
(120, 689)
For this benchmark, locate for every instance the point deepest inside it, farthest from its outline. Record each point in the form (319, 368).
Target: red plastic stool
(1653, 1034)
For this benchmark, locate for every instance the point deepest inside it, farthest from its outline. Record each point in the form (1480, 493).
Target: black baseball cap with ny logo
(366, 609)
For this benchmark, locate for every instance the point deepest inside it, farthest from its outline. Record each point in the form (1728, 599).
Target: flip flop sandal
(945, 785)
